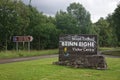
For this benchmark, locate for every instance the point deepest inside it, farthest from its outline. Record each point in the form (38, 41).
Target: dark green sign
(73, 46)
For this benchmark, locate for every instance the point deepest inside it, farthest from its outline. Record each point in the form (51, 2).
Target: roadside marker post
(23, 39)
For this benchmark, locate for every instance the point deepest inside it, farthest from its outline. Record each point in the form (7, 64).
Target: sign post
(23, 39)
(17, 46)
(80, 51)
(28, 46)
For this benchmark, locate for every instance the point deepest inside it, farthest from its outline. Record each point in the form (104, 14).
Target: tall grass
(16, 54)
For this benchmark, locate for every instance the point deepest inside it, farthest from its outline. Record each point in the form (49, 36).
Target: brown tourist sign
(22, 38)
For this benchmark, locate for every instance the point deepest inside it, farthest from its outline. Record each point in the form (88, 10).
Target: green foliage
(116, 23)
(104, 32)
(44, 70)
(14, 20)
(19, 19)
(109, 35)
(75, 21)
(82, 17)
(66, 23)
(108, 29)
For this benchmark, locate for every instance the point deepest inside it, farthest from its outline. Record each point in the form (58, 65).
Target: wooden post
(28, 46)
(17, 46)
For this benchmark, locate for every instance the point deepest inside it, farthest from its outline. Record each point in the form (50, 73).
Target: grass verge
(43, 69)
(15, 54)
(109, 48)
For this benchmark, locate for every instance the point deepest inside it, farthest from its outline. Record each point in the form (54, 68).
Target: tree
(116, 22)
(7, 21)
(43, 29)
(66, 23)
(114, 41)
(104, 32)
(19, 19)
(82, 16)
(75, 21)
(14, 20)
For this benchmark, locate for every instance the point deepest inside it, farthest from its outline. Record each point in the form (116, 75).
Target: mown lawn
(43, 69)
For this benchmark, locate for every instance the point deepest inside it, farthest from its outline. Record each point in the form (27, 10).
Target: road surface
(3, 61)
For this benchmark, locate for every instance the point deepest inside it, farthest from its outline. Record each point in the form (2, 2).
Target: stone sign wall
(80, 51)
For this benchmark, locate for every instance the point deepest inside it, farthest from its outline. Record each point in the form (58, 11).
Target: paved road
(111, 56)
(3, 61)
(100, 53)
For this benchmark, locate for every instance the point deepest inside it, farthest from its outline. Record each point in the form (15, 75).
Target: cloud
(50, 6)
(97, 8)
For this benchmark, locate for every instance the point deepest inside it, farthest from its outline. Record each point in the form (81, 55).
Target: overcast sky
(97, 8)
